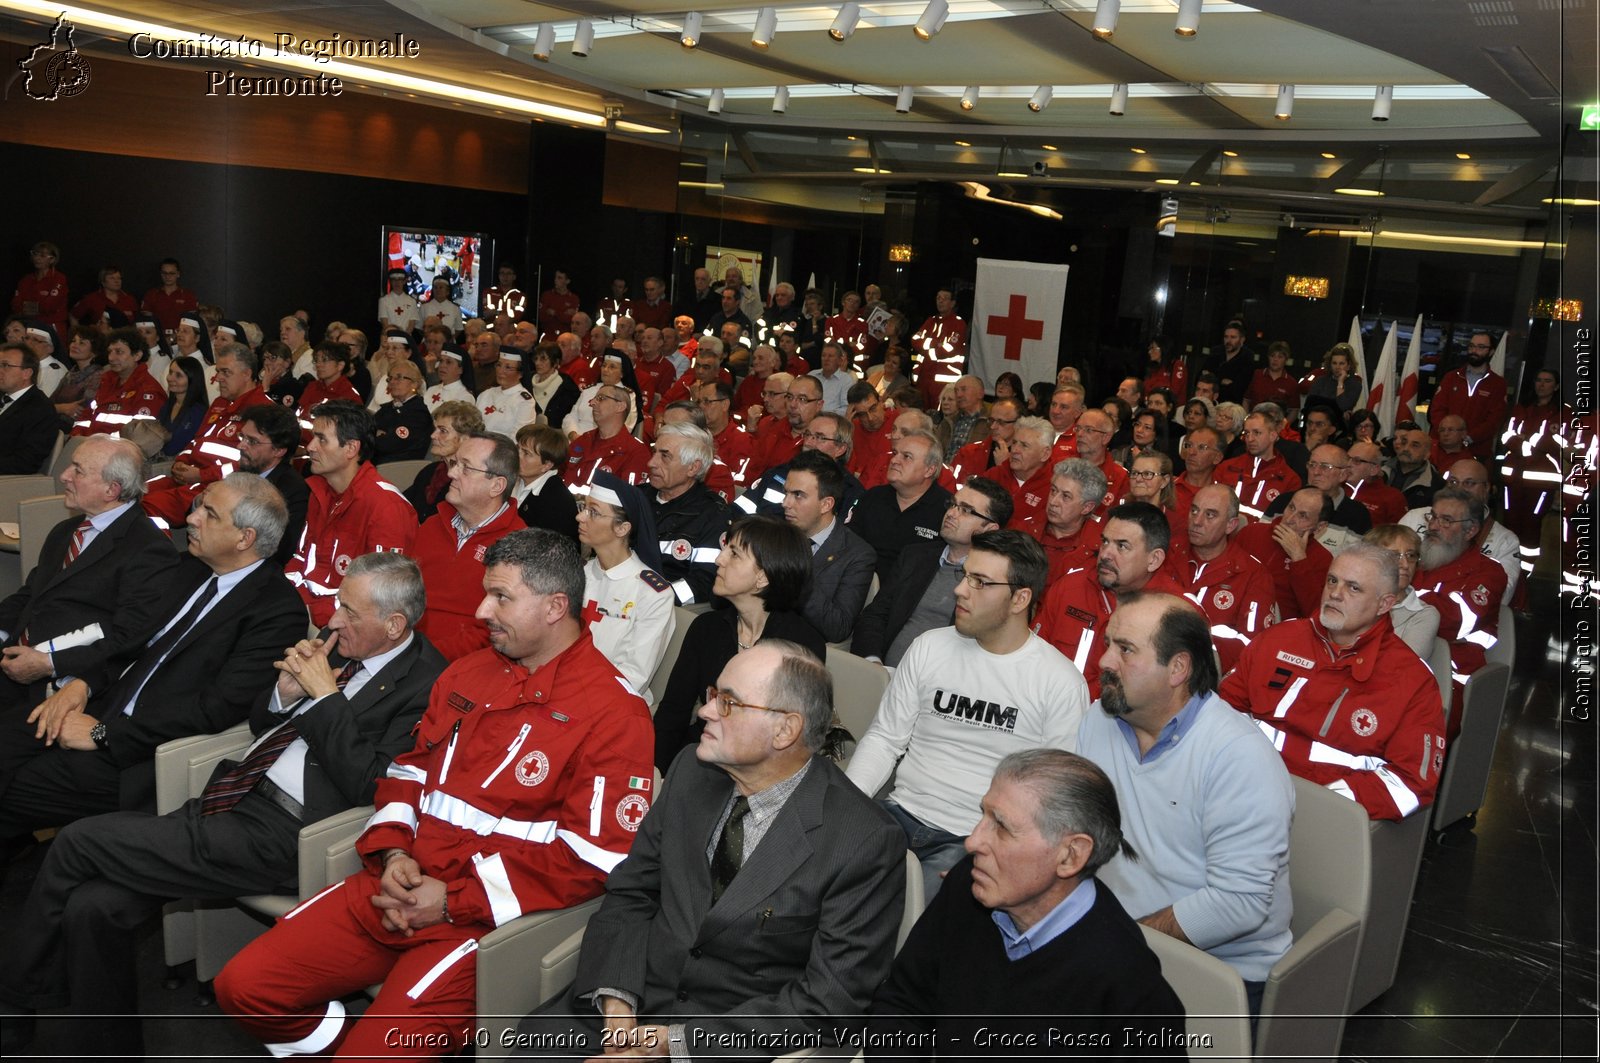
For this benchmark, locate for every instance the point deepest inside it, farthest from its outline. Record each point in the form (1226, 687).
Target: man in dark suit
(103, 584)
(919, 593)
(268, 435)
(27, 419)
(842, 563)
(198, 674)
(761, 898)
(343, 706)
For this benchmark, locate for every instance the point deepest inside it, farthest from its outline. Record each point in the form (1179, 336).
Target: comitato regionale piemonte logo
(56, 69)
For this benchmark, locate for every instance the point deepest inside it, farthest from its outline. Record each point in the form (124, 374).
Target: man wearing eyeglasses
(1069, 535)
(826, 433)
(1384, 504)
(834, 378)
(758, 905)
(1475, 393)
(803, 401)
(1326, 470)
(1093, 446)
(1260, 474)
(1026, 474)
(735, 448)
(919, 593)
(1201, 453)
(1412, 475)
(608, 445)
(984, 454)
(872, 441)
(1459, 581)
(268, 434)
(909, 506)
(966, 696)
(1232, 588)
(1493, 539)
(27, 418)
(352, 511)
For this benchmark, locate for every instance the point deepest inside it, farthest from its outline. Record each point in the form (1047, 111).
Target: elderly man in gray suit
(761, 898)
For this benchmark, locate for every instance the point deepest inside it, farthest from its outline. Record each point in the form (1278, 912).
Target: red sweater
(454, 579)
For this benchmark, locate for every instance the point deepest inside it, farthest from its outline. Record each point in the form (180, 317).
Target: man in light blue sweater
(1206, 800)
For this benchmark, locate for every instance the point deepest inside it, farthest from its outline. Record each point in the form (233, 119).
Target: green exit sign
(1591, 117)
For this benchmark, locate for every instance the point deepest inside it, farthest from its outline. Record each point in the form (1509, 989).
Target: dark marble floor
(1500, 954)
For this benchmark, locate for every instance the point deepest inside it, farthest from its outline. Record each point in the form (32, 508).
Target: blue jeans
(937, 849)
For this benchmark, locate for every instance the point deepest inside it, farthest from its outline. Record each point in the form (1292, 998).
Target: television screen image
(457, 257)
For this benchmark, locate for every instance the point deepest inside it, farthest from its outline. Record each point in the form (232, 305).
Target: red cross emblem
(631, 810)
(591, 612)
(1015, 326)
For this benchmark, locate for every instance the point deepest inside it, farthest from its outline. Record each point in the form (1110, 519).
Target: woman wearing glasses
(763, 572)
(403, 424)
(628, 604)
(1414, 620)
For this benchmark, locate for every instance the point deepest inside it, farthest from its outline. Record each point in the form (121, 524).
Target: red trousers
(170, 500)
(285, 986)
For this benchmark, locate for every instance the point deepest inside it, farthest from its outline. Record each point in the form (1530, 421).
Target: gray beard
(1436, 554)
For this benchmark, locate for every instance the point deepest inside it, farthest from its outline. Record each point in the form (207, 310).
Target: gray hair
(698, 446)
(124, 467)
(1232, 411)
(396, 584)
(935, 451)
(1075, 797)
(781, 378)
(709, 345)
(260, 508)
(914, 420)
(548, 562)
(1462, 495)
(1089, 477)
(844, 434)
(241, 354)
(1381, 558)
(1037, 427)
(1270, 412)
(802, 684)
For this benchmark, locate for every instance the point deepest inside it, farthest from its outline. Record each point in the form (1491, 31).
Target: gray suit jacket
(841, 576)
(802, 936)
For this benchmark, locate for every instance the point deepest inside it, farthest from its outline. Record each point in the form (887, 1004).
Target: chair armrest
(1313, 978)
(184, 765)
(558, 968)
(328, 849)
(505, 956)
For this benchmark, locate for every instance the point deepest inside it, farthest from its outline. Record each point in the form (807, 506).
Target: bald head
(1472, 476)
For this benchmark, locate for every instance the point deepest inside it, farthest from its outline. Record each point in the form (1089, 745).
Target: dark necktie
(145, 667)
(75, 547)
(725, 862)
(228, 789)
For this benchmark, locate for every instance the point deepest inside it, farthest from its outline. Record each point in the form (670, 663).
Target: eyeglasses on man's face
(725, 703)
(457, 465)
(978, 583)
(967, 511)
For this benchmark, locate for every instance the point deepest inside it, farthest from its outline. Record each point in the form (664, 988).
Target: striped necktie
(227, 790)
(75, 547)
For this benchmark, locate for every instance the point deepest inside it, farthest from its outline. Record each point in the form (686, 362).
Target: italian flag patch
(635, 782)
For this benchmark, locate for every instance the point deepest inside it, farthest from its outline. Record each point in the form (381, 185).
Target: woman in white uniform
(627, 604)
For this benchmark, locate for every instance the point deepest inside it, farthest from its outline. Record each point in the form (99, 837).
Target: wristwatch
(97, 734)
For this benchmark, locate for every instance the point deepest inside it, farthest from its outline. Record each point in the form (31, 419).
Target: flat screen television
(429, 254)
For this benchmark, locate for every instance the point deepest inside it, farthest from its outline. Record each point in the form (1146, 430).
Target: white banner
(1016, 320)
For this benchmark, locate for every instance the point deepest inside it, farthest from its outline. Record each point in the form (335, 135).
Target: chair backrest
(916, 899)
(1504, 650)
(1439, 664)
(401, 473)
(1330, 858)
(1467, 759)
(55, 452)
(14, 489)
(681, 620)
(36, 516)
(1212, 994)
(858, 687)
(63, 456)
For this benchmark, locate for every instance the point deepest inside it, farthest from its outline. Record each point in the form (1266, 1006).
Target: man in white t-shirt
(965, 697)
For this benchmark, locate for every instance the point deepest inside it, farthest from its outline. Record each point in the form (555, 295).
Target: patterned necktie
(728, 858)
(75, 547)
(228, 789)
(133, 681)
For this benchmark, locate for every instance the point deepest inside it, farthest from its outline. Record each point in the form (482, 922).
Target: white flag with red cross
(1016, 320)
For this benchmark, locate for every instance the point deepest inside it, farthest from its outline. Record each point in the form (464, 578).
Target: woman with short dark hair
(763, 574)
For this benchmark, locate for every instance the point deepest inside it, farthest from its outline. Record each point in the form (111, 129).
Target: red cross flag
(1016, 319)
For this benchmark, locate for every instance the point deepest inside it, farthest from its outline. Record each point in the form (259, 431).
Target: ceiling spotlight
(1137, 151)
(902, 103)
(1231, 154)
(1382, 101)
(583, 39)
(766, 28)
(1105, 19)
(1463, 156)
(932, 20)
(1328, 155)
(691, 29)
(714, 104)
(1188, 18)
(780, 99)
(1119, 100)
(969, 98)
(1041, 98)
(845, 24)
(1285, 106)
(544, 41)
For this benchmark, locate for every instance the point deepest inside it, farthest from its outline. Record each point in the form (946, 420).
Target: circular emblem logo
(1223, 598)
(1363, 722)
(403, 432)
(1480, 597)
(680, 549)
(630, 812)
(341, 564)
(532, 769)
